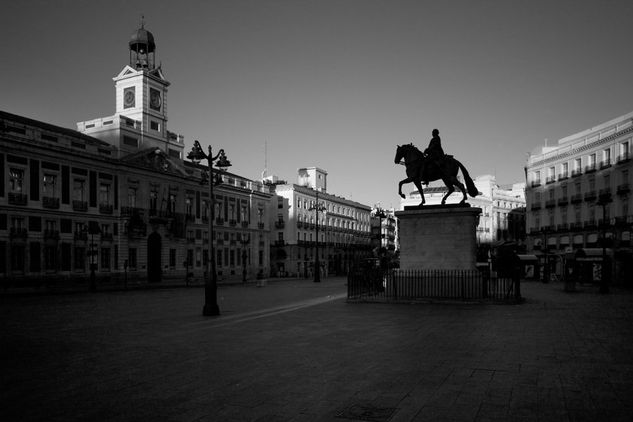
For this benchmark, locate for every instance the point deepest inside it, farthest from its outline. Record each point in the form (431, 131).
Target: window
(131, 258)
(153, 200)
(105, 259)
(606, 157)
(189, 207)
(49, 183)
(564, 170)
(16, 182)
(154, 125)
(131, 197)
(624, 151)
(129, 141)
(592, 162)
(172, 258)
(104, 194)
(79, 190)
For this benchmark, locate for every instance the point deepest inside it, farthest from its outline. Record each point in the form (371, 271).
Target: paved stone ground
(296, 351)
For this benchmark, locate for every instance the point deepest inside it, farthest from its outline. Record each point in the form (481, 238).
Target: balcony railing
(550, 203)
(107, 237)
(576, 225)
(130, 211)
(562, 227)
(536, 183)
(280, 224)
(623, 189)
(232, 223)
(563, 201)
(81, 235)
(219, 221)
(279, 243)
(605, 163)
(590, 168)
(576, 198)
(299, 224)
(590, 196)
(80, 206)
(16, 198)
(245, 224)
(563, 176)
(51, 234)
(535, 206)
(18, 233)
(50, 202)
(624, 157)
(106, 208)
(550, 179)
(576, 172)
(260, 225)
(604, 194)
(590, 224)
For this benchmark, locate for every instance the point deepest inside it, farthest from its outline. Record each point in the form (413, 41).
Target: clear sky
(336, 84)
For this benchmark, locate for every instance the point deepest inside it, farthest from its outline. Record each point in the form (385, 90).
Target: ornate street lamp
(196, 155)
(317, 265)
(245, 240)
(603, 201)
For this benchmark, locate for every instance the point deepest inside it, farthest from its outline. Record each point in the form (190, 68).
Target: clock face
(128, 97)
(154, 99)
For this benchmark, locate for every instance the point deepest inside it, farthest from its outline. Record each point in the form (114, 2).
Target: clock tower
(141, 104)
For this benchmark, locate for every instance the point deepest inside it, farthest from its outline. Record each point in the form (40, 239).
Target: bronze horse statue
(446, 169)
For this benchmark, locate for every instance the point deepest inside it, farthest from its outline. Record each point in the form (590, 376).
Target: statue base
(438, 237)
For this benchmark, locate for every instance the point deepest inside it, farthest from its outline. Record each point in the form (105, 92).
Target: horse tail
(470, 185)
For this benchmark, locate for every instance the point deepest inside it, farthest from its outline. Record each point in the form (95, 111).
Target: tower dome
(142, 48)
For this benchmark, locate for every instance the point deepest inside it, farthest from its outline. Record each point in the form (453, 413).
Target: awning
(578, 239)
(551, 241)
(564, 240)
(527, 258)
(592, 238)
(592, 254)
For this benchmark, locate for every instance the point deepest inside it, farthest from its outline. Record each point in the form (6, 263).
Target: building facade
(307, 214)
(116, 197)
(502, 215)
(578, 195)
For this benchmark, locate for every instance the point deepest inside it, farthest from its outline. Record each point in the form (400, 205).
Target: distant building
(343, 226)
(572, 183)
(383, 228)
(117, 196)
(503, 208)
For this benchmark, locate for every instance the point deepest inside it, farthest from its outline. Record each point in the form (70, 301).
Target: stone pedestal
(437, 237)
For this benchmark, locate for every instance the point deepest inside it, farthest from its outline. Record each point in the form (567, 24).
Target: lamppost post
(196, 155)
(605, 272)
(317, 265)
(245, 241)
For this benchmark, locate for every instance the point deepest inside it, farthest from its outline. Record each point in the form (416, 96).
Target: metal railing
(374, 285)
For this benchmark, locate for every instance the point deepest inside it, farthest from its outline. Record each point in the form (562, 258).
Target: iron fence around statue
(376, 285)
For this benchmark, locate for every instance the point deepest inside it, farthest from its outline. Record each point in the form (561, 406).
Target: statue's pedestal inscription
(438, 237)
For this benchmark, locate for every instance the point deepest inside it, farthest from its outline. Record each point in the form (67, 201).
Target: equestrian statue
(433, 164)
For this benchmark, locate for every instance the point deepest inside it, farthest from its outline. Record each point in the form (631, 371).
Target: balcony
(244, 224)
(299, 224)
(621, 221)
(590, 224)
(550, 203)
(576, 225)
(623, 189)
(51, 234)
(130, 211)
(605, 195)
(536, 183)
(576, 172)
(106, 208)
(279, 243)
(562, 227)
(80, 206)
(81, 235)
(18, 198)
(550, 179)
(107, 237)
(623, 158)
(563, 176)
(280, 224)
(232, 223)
(535, 206)
(219, 221)
(576, 198)
(18, 233)
(50, 202)
(260, 225)
(562, 201)
(605, 164)
(590, 168)
(590, 196)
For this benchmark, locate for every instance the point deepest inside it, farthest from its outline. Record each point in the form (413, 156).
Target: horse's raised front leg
(402, 182)
(418, 185)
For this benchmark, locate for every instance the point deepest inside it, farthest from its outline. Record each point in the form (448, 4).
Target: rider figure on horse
(434, 153)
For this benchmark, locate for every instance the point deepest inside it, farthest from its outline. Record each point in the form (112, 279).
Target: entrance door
(153, 258)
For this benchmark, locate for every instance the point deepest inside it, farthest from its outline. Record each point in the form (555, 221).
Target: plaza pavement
(296, 351)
